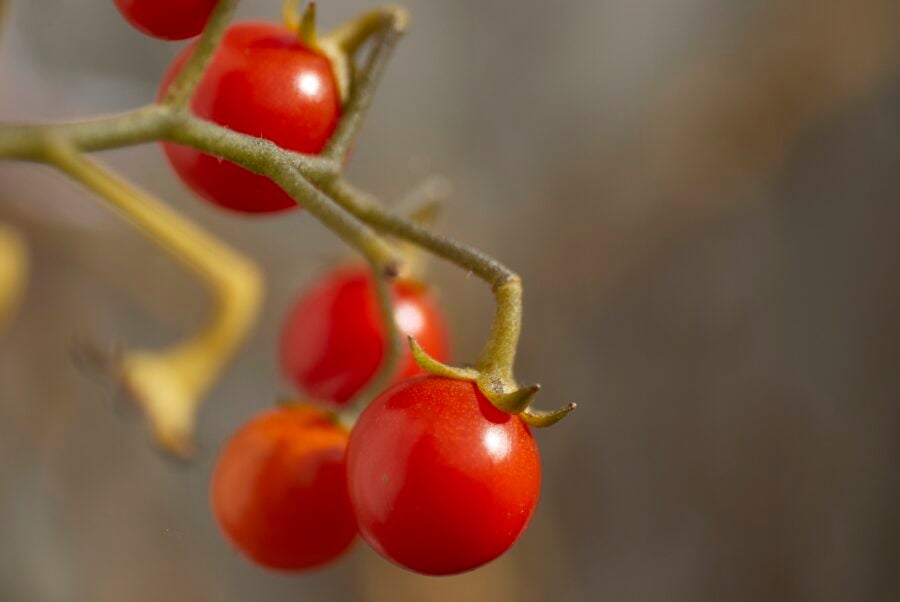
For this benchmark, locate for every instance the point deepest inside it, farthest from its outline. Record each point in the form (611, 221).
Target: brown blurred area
(703, 199)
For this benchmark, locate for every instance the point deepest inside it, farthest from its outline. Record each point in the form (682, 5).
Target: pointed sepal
(541, 419)
(432, 366)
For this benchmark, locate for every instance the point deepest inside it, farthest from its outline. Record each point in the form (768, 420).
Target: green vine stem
(494, 370)
(394, 22)
(392, 349)
(421, 206)
(182, 87)
(315, 181)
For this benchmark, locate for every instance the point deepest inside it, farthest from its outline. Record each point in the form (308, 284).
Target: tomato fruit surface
(440, 480)
(279, 489)
(167, 19)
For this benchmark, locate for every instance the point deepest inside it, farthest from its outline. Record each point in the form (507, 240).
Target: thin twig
(182, 87)
(364, 88)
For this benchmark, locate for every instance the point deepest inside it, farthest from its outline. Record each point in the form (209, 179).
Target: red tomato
(264, 82)
(167, 19)
(441, 481)
(332, 342)
(279, 489)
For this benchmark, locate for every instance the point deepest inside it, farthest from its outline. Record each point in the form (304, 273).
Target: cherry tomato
(441, 481)
(264, 82)
(279, 489)
(333, 342)
(167, 19)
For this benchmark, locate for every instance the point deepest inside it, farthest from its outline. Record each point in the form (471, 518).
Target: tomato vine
(169, 384)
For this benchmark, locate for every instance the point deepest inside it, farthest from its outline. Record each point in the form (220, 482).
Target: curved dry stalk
(170, 384)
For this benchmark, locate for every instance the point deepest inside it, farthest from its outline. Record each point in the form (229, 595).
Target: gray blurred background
(703, 198)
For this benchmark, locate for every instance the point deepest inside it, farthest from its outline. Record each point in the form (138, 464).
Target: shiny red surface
(167, 19)
(332, 342)
(440, 480)
(264, 82)
(279, 489)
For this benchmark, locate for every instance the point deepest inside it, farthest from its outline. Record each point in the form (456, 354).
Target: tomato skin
(279, 489)
(262, 81)
(332, 341)
(440, 480)
(167, 19)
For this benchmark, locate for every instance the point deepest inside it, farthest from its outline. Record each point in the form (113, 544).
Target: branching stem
(171, 383)
(173, 379)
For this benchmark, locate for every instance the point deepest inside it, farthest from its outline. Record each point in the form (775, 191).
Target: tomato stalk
(494, 370)
(393, 22)
(182, 87)
(355, 216)
(421, 206)
(170, 384)
(391, 359)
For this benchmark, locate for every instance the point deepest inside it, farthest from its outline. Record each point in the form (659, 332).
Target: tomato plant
(262, 80)
(167, 19)
(279, 489)
(333, 339)
(441, 481)
(441, 472)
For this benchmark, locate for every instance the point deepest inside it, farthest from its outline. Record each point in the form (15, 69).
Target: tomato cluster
(436, 478)
(432, 475)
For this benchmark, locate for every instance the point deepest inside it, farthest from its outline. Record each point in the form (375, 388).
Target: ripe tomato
(167, 19)
(333, 342)
(264, 82)
(279, 489)
(441, 481)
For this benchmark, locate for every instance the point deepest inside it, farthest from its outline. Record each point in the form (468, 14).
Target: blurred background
(703, 198)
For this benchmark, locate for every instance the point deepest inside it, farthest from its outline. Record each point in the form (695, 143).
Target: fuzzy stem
(312, 180)
(182, 87)
(25, 142)
(287, 169)
(421, 207)
(351, 35)
(395, 20)
(392, 350)
(368, 209)
(498, 354)
(266, 158)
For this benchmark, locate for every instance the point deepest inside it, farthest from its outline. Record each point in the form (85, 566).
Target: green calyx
(493, 372)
